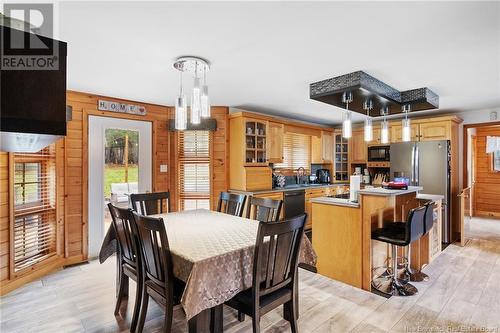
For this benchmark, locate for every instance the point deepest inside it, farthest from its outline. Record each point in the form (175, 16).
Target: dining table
(212, 253)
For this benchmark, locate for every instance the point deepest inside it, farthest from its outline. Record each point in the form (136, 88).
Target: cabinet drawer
(379, 164)
(258, 178)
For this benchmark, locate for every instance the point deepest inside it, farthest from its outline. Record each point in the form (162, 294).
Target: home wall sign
(121, 107)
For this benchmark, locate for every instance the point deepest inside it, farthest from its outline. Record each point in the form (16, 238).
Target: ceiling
(264, 55)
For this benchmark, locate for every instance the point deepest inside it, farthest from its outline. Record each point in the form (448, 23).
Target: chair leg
(137, 305)
(241, 316)
(256, 322)
(290, 314)
(121, 292)
(167, 321)
(143, 310)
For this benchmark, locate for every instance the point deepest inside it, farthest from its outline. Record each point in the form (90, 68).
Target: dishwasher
(294, 202)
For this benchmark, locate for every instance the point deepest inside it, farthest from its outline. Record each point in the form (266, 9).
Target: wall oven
(379, 154)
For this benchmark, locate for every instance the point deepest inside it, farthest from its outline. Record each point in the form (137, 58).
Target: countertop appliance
(323, 176)
(379, 154)
(294, 202)
(426, 164)
(33, 104)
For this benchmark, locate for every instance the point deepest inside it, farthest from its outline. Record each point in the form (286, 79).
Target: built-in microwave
(379, 153)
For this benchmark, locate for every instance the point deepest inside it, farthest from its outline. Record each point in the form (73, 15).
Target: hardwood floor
(463, 292)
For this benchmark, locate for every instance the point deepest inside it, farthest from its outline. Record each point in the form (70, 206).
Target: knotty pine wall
(73, 183)
(487, 182)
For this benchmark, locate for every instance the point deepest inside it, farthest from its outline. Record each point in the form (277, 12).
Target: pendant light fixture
(200, 106)
(180, 109)
(384, 130)
(368, 105)
(204, 100)
(406, 127)
(347, 122)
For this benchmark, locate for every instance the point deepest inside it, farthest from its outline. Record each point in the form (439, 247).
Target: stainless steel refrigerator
(425, 164)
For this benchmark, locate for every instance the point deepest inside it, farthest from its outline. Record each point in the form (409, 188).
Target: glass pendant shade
(384, 132)
(196, 102)
(180, 113)
(205, 102)
(406, 130)
(347, 125)
(368, 129)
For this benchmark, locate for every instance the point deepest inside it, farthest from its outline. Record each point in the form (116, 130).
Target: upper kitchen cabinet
(249, 140)
(439, 130)
(376, 137)
(322, 148)
(358, 149)
(397, 133)
(275, 137)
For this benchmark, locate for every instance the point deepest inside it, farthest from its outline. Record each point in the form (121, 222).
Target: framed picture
(496, 161)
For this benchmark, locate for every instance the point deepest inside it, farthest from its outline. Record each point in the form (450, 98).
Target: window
(296, 152)
(194, 169)
(34, 207)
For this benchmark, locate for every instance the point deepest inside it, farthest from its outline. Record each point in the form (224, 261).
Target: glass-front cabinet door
(255, 143)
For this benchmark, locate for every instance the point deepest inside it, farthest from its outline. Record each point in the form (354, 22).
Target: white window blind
(34, 207)
(296, 152)
(194, 169)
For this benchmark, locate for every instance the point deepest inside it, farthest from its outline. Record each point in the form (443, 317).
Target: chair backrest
(263, 209)
(155, 251)
(415, 224)
(126, 233)
(276, 254)
(428, 217)
(150, 203)
(231, 203)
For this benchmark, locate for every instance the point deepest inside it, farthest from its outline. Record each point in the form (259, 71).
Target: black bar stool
(399, 234)
(418, 275)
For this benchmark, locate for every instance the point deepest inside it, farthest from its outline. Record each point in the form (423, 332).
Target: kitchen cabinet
(322, 148)
(376, 136)
(358, 147)
(432, 131)
(397, 133)
(258, 178)
(341, 158)
(310, 194)
(255, 142)
(275, 137)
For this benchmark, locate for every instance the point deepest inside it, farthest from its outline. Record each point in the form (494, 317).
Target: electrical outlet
(163, 168)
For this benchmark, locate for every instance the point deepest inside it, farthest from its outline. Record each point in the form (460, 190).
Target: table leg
(209, 320)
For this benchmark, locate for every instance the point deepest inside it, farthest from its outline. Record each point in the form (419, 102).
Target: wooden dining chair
(274, 272)
(150, 203)
(263, 209)
(231, 203)
(159, 282)
(130, 263)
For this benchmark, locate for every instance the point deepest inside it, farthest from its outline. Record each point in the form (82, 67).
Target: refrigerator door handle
(416, 166)
(412, 177)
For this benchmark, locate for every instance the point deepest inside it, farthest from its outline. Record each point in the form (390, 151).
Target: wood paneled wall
(73, 181)
(487, 182)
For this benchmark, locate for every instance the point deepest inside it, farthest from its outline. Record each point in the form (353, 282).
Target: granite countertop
(386, 192)
(335, 202)
(288, 188)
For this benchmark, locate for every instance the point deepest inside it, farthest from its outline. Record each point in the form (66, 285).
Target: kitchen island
(342, 233)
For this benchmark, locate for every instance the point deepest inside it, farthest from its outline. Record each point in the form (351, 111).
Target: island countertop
(335, 202)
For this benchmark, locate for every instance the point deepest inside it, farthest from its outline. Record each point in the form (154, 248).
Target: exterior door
(119, 163)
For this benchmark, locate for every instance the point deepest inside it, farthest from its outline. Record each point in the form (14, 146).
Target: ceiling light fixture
(368, 105)
(200, 106)
(180, 109)
(347, 122)
(204, 100)
(406, 127)
(384, 131)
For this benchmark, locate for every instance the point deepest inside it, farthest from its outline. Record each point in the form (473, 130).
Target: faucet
(300, 172)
